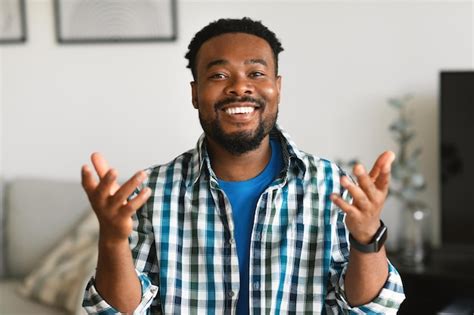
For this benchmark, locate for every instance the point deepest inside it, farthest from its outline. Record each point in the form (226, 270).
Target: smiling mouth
(239, 110)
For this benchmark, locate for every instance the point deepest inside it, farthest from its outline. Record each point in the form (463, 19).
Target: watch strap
(375, 245)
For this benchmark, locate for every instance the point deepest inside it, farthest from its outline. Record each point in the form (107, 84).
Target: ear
(194, 94)
(278, 84)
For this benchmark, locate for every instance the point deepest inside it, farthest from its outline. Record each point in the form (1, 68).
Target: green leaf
(407, 97)
(395, 102)
(407, 137)
(416, 153)
(399, 125)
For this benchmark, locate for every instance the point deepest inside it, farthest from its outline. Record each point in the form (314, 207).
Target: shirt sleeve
(390, 296)
(93, 303)
(144, 256)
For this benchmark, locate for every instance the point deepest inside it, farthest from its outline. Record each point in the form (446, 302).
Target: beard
(238, 143)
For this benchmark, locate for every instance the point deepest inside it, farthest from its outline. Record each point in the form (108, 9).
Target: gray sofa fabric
(37, 214)
(13, 304)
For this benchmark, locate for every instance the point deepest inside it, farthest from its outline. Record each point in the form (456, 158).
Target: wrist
(366, 235)
(375, 243)
(111, 241)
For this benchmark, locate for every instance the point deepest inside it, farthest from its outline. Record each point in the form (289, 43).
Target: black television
(457, 159)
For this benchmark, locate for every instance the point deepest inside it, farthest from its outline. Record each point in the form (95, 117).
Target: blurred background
(131, 101)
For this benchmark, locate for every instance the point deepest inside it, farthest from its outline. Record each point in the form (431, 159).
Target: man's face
(236, 90)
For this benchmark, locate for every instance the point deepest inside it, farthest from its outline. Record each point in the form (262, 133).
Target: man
(245, 222)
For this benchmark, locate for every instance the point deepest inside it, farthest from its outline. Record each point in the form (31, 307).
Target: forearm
(116, 279)
(365, 277)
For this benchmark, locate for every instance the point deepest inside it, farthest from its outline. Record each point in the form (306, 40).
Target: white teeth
(239, 110)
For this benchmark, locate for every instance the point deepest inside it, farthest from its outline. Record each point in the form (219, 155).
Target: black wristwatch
(375, 245)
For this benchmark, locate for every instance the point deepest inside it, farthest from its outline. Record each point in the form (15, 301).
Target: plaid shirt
(185, 253)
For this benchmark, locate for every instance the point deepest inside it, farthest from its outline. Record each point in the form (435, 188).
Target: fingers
(101, 167)
(360, 197)
(109, 200)
(342, 204)
(383, 182)
(107, 191)
(120, 197)
(365, 182)
(104, 189)
(378, 179)
(87, 179)
(100, 164)
(133, 205)
(382, 164)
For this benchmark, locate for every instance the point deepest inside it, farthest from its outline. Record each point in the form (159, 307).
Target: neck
(231, 167)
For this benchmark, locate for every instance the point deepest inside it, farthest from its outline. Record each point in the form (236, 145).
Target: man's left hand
(363, 215)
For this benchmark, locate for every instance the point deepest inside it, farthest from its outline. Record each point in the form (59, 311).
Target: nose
(239, 86)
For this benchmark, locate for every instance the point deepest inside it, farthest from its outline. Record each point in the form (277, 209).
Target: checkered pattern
(183, 243)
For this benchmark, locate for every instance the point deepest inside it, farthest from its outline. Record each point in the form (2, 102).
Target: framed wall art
(115, 21)
(12, 21)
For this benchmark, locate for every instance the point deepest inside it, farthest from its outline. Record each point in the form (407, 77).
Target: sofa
(38, 218)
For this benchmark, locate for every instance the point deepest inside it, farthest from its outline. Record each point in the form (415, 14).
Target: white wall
(342, 60)
(1, 163)
(1, 116)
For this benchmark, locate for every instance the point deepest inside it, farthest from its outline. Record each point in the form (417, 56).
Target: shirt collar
(293, 158)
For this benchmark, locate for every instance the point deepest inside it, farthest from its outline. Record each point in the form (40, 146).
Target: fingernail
(141, 176)
(359, 170)
(394, 156)
(112, 173)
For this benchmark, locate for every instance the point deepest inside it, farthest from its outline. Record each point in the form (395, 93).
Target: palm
(363, 215)
(110, 201)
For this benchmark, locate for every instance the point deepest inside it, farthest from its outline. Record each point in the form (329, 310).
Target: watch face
(381, 234)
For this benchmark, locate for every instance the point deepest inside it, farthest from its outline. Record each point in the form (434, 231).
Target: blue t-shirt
(243, 197)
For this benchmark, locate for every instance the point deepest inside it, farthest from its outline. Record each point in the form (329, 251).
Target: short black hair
(223, 26)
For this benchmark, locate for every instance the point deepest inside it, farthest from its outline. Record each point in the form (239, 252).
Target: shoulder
(309, 164)
(180, 168)
(321, 167)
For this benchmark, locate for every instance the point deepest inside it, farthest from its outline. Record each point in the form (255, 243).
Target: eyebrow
(259, 61)
(216, 63)
(223, 62)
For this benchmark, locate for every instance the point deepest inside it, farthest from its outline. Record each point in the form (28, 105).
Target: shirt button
(256, 285)
(230, 294)
(231, 241)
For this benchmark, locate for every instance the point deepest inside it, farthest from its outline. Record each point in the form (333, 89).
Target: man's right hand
(109, 200)
(115, 279)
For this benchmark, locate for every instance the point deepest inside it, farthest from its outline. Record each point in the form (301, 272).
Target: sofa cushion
(38, 213)
(62, 276)
(12, 303)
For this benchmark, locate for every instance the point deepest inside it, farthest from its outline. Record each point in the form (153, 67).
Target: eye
(218, 76)
(256, 74)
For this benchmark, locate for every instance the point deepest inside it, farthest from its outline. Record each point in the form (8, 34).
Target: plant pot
(413, 250)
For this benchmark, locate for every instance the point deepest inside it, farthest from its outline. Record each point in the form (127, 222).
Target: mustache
(244, 99)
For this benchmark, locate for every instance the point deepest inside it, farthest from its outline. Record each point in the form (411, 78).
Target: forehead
(234, 47)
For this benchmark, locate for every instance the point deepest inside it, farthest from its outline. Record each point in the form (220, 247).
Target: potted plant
(407, 183)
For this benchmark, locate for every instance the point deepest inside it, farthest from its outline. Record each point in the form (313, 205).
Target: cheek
(206, 99)
(270, 93)
(209, 94)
